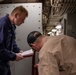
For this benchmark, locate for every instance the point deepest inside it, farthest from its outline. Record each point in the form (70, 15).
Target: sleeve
(15, 48)
(5, 54)
(48, 65)
(49, 62)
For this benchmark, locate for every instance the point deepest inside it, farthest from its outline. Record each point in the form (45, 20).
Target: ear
(16, 14)
(32, 44)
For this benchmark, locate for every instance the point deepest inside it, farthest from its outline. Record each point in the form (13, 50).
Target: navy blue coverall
(8, 46)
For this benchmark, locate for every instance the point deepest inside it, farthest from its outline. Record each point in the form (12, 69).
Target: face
(19, 19)
(36, 46)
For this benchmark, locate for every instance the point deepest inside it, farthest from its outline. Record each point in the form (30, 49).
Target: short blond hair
(20, 9)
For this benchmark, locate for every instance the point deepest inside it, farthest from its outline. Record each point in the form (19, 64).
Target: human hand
(36, 65)
(19, 56)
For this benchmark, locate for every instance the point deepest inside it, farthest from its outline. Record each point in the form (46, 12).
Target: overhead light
(49, 32)
(54, 30)
(58, 27)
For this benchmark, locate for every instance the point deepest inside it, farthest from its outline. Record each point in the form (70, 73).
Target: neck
(43, 40)
(11, 19)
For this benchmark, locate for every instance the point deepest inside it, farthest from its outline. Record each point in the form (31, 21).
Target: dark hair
(32, 36)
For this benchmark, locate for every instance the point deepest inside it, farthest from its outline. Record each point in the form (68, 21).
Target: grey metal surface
(33, 22)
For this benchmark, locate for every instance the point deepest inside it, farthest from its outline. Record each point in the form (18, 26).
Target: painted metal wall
(33, 22)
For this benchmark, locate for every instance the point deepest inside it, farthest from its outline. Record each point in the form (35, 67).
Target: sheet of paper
(27, 52)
